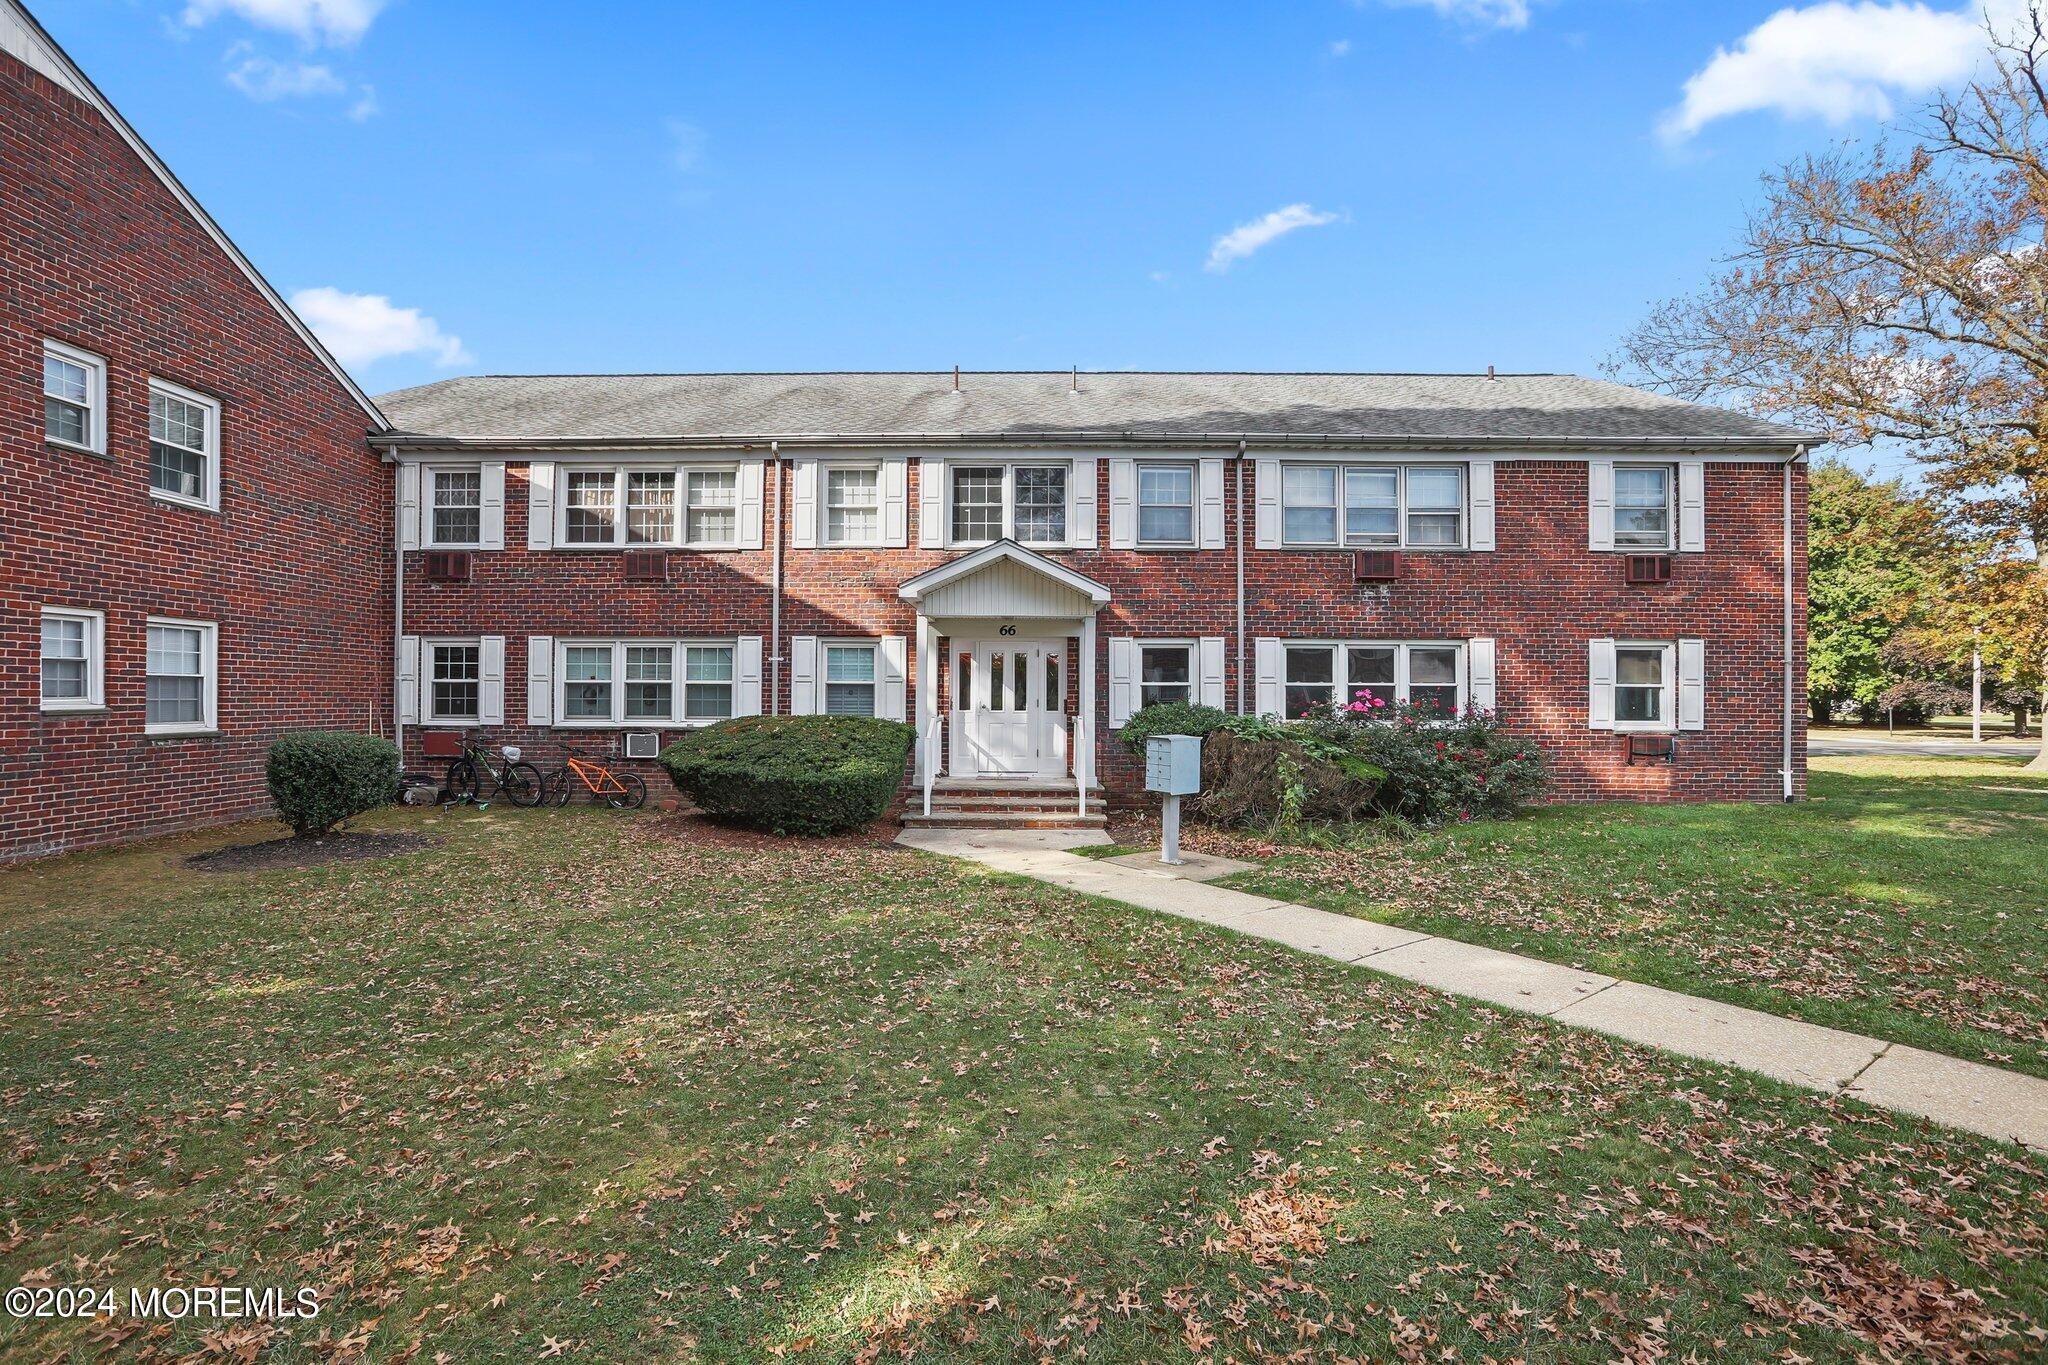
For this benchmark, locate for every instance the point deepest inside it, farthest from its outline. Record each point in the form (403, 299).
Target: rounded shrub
(319, 778)
(1169, 718)
(1259, 774)
(792, 774)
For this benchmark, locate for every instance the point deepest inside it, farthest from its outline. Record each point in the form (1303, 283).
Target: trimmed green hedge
(792, 774)
(319, 778)
(1169, 718)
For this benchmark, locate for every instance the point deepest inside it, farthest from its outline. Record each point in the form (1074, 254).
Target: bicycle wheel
(632, 798)
(462, 781)
(558, 788)
(523, 785)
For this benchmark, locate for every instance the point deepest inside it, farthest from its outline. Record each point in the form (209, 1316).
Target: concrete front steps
(1011, 804)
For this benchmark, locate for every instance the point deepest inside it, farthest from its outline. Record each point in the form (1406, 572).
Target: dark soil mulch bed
(335, 848)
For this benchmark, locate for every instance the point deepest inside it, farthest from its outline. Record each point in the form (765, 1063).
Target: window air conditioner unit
(1376, 566)
(448, 566)
(646, 566)
(642, 744)
(1649, 568)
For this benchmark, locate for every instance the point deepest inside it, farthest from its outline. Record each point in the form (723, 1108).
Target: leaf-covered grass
(607, 1087)
(1907, 899)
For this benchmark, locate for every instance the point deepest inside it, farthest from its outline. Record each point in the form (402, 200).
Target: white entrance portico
(1016, 704)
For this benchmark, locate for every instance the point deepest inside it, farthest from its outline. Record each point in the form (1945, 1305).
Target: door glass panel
(1020, 680)
(963, 682)
(1055, 695)
(996, 691)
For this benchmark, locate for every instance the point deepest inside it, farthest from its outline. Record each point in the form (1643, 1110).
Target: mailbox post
(1173, 768)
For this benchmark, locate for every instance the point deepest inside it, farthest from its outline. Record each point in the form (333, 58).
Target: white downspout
(397, 610)
(1240, 577)
(775, 600)
(1787, 640)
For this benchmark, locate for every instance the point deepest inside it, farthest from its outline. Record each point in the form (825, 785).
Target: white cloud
(262, 79)
(1478, 13)
(685, 144)
(339, 22)
(1242, 240)
(366, 106)
(1341, 48)
(1835, 61)
(364, 328)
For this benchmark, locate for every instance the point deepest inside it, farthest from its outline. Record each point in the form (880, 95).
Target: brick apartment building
(212, 536)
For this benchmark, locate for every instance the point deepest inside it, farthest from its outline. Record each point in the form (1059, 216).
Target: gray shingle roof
(1510, 409)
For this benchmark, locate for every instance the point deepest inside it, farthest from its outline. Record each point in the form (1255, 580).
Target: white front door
(1008, 700)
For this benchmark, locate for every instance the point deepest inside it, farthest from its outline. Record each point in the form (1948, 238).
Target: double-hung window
(1166, 673)
(643, 682)
(1642, 687)
(179, 677)
(849, 680)
(455, 503)
(853, 507)
(590, 507)
(1025, 502)
(1430, 676)
(454, 680)
(1642, 507)
(713, 517)
(650, 682)
(74, 397)
(184, 445)
(1166, 504)
(1420, 506)
(610, 506)
(707, 682)
(650, 506)
(73, 659)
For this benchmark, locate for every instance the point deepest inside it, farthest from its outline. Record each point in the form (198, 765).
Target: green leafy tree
(1876, 556)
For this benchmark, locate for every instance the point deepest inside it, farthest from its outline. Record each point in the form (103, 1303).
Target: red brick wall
(1541, 595)
(96, 252)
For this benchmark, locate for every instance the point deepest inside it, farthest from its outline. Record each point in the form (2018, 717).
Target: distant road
(1902, 746)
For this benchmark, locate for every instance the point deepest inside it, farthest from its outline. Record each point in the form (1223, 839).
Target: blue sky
(1432, 185)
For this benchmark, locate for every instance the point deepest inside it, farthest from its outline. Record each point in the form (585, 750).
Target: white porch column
(927, 689)
(1084, 738)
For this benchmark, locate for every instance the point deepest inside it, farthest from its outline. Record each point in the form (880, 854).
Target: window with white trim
(74, 397)
(606, 506)
(1026, 503)
(1166, 673)
(714, 517)
(73, 659)
(184, 445)
(850, 676)
(1166, 504)
(179, 677)
(1642, 506)
(1418, 506)
(853, 505)
(455, 507)
(1430, 675)
(642, 682)
(1643, 687)
(454, 680)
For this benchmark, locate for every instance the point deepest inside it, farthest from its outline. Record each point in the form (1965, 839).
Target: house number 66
(1006, 630)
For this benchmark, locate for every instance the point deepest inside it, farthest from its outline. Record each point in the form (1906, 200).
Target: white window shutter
(1692, 505)
(895, 479)
(408, 507)
(803, 675)
(1599, 504)
(1479, 674)
(750, 484)
(1600, 685)
(803, 507)
(491, 507)
(1123, 504)
(490, 680)
(1270, 694)
(891, 694)
(1123, 679)
(1692, 684)
(746, 675)
(1081, 530)
(931, 503)
(540, 680)
(1266, 518)
(1210, 671)
(540, 505)
(409, 679)
(1209, 514)
(1481, 478)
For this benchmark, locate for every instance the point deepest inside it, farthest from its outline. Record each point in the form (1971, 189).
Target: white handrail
(1082, 753)
(931, 760)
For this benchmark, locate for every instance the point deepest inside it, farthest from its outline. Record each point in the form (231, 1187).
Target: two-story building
(1016, 562)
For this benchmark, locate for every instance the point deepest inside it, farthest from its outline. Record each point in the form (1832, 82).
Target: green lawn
(1907, 899)
(604, 1087)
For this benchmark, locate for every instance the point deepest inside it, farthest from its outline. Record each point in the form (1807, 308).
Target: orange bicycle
(620, 791)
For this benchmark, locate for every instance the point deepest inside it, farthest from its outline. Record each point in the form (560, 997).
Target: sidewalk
(1967, 1095)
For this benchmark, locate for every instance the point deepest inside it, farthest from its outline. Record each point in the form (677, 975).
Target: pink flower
(1356, 706)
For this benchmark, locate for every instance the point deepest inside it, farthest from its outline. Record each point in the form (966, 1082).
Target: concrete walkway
(1976, 1098)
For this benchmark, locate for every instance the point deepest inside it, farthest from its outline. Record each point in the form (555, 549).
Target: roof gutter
(1794, 443)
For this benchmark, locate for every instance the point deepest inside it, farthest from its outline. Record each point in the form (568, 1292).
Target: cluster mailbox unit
(1173, 768)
